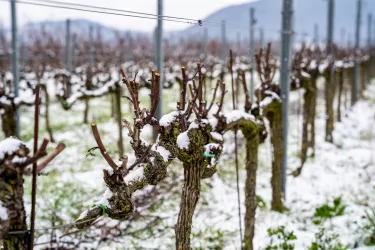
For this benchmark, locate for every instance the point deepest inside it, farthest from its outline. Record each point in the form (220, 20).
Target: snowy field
(346, 169)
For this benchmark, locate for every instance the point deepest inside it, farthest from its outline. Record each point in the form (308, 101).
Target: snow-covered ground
(345, 168)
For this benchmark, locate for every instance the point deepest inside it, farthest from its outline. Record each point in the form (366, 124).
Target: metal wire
(53, 228)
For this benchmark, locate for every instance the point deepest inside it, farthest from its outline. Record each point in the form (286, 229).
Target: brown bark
(252, 143)
(329, 97)
(8, 121)
(11, 196)
(313, 114)
(308, 101)
(118, 116)
(46, 104)
(274, 116)
(362, 79)
(339, 94)
(189, 199)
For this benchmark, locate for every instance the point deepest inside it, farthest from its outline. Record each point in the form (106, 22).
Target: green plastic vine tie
(209, 155)
(103, 207)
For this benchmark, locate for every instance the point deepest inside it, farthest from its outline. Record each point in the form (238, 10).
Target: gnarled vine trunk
(8, 121)
(189, 199)
(252, 143)
(118, 116)
(311, 121)
(329, 97)
(274, 116)
(11, 197)
(307, 117)
(340, 79)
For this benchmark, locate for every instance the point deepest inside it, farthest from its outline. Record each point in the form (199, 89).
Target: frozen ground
(345, 168)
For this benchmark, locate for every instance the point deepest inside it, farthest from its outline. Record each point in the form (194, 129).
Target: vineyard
(105, 151)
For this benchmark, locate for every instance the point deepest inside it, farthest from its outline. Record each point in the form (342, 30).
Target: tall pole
(160, 57)
(223, 41)
(356, 64)
(286, 47)
(68, 55)
(343, 36)
(261, 37)
(238, 41)
(252, 56)
(91, 37)
(15, 66)
(316, 34)
(205, 41)
(369, 30)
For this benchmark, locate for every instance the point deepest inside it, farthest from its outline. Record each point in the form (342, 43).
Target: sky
(195, 9)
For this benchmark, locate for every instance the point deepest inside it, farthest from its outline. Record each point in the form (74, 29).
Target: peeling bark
(118, 116)
(11, 196)
(8, 121)
(252, 144)
(329, 98)
(274, 116)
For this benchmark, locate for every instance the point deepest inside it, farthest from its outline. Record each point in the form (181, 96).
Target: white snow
(216, 136)
(273, 94)
(104, 200)
(163, 153)
(17, 159)
(134, 175)
(168, 118)
(236, 115)
(183, 140)
(3, 212)
(210, 146)
(9, 146)
(213, 121)
(83, 214)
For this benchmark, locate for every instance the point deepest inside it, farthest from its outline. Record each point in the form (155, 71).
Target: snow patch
(134, 175)
(9, 146)
(3, 212)
(167, 119)
(183, 140)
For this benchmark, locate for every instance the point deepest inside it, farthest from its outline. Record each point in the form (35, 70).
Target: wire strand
(112, 9)
(97, 11)
(53, 228)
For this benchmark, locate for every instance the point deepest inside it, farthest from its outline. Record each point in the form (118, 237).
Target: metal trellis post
(68, 55)
(223, 41)
(286, 47)
(357, 43)
(369, 26)
(160, 57)
(15, 66)
(252, 56)
(91, 36)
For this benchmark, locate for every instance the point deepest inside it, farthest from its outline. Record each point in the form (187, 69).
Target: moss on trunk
(274, 115)
(189, 200)
(252, 143)
(11, 196)
(8, 121)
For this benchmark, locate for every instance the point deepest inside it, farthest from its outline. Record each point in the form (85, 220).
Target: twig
(141, 159)
(34, 180)
(51, 156)
(102, 149)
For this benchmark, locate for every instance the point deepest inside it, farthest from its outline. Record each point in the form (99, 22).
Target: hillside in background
(268, 15)
(78, 26)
